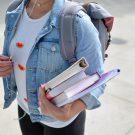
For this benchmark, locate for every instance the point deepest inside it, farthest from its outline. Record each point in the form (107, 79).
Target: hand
(60, 113)
(5, 66)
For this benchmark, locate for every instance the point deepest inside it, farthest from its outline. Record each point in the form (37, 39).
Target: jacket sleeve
(88, 46)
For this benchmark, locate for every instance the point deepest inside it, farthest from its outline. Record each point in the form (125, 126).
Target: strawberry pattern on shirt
(20, 48)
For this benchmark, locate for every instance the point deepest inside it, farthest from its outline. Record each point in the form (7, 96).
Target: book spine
(69, 72)
(76, 88)
(66, 84)
(82, 85)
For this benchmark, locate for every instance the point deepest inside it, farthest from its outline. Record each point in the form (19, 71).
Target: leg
(27, 127)
(77, 127)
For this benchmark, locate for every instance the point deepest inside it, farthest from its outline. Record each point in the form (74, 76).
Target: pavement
(116, 115)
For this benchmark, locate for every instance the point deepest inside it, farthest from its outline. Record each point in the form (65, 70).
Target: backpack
(101, 18)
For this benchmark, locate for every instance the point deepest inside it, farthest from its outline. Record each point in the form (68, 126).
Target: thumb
(41, 94)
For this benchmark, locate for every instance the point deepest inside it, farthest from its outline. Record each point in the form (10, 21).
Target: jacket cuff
(90, 101)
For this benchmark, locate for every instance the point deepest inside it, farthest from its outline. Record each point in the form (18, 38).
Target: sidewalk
(116, 115)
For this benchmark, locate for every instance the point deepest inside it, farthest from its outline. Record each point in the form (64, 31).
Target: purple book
(105, 77)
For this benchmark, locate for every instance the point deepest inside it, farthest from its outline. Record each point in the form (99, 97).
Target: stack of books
(74, 83)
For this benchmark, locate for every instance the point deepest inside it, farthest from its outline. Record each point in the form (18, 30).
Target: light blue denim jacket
(45, 62)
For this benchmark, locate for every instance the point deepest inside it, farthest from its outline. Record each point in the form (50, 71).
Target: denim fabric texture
(45, 60)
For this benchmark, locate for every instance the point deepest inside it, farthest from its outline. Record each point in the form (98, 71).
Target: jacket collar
(54, 16)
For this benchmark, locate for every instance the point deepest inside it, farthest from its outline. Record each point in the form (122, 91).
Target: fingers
(5, 63)
(42, 93)
(44, 104)
(48, 108)
(4, 58)
(43, 101)
(2, 69)
(6, 73)
(6, 66)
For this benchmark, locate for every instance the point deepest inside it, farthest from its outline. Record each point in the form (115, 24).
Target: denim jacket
(45, 62)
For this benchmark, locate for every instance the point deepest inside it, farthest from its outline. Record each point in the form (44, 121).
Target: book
(64, 85)
(76, 88)
(104, 78)
(77, 67)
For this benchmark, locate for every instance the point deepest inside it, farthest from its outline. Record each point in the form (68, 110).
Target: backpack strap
(12, 6)
(67, 34)
(103, 21)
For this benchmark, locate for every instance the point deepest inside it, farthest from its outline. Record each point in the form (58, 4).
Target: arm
(88, 46)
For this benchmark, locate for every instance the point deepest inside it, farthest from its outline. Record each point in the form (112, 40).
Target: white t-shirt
(21, 45)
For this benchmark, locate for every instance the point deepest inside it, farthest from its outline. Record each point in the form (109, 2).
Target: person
(31, 57)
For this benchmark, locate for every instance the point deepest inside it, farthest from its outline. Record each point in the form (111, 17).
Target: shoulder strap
(67, 35)
(12, 6)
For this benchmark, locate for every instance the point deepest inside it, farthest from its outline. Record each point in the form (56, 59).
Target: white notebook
(77, 67)
(66, 84)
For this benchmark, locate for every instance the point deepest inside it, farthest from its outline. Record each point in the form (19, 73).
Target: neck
(41, 2)
(37, 8)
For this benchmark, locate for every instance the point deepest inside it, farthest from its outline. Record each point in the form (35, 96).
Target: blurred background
(116, 116)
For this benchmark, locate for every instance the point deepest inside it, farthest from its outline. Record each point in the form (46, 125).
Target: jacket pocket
(49, 57)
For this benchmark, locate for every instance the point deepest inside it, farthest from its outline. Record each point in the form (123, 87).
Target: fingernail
(41, 85)
(39, 109)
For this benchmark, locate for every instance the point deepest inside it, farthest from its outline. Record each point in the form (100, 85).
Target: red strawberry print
(21, 67)
(25, 99)
(19, 45)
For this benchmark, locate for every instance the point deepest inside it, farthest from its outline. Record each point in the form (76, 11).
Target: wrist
(79, 106)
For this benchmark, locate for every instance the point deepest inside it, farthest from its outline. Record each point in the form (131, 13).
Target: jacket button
(12, 16)
(53, 48)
